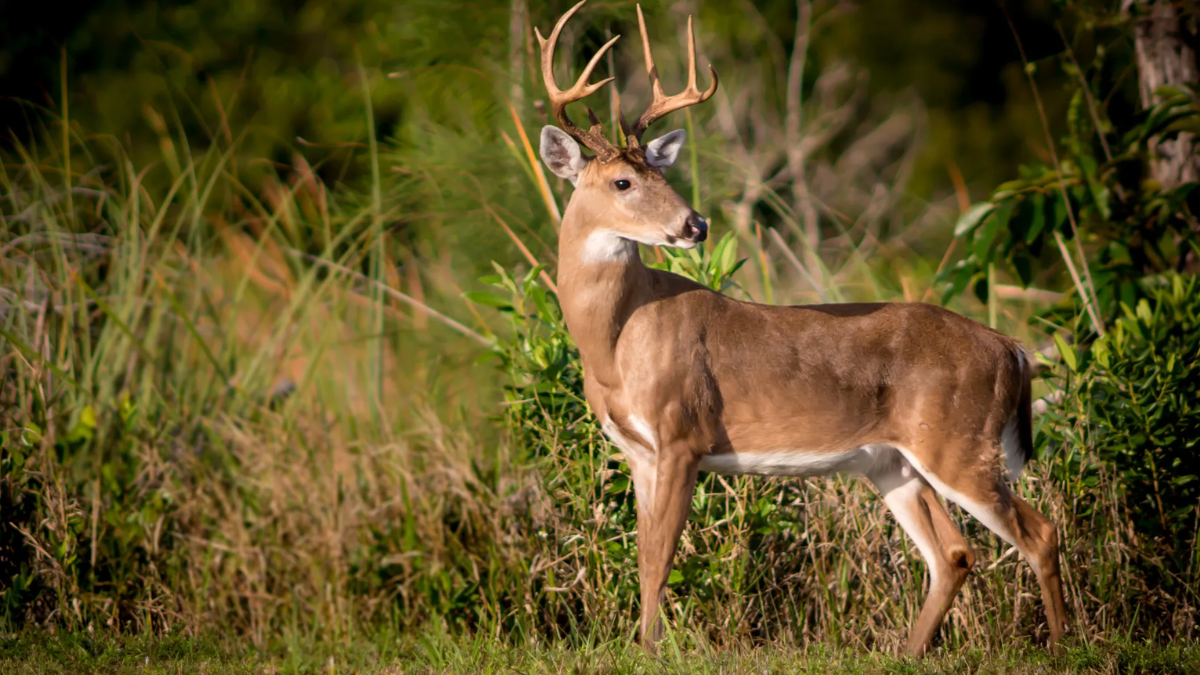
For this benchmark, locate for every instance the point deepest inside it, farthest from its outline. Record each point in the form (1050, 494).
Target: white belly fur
(773, 463)
(796, 462)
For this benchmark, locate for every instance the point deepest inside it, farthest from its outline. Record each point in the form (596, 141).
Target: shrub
(1130, 404)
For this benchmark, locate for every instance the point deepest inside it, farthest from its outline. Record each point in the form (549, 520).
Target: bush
(1131, 406)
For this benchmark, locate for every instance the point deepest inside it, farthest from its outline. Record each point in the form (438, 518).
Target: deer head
(621, 189)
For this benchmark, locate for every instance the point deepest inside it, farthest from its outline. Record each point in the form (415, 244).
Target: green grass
(78, 653)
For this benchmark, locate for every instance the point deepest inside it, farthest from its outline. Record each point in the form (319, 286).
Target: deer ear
(561, 153)
(664, 150)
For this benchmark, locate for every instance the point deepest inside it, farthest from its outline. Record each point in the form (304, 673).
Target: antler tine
(593, 138)
(663, 104)
(691, 85)
(651, 69)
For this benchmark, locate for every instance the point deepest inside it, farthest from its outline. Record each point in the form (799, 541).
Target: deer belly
(793, 462)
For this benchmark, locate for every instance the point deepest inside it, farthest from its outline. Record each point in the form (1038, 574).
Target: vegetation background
(281, 362)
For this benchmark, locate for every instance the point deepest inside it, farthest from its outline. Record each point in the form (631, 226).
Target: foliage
(1094, 190)
(1130, 409)
(1134, 226)
(714, 270)
(286, 70)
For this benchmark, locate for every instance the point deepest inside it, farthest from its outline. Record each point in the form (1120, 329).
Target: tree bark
(1163, 44)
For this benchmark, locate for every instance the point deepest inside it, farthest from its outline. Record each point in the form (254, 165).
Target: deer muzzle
(695, 228)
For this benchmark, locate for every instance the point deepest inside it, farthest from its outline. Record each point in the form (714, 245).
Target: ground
(39, 653)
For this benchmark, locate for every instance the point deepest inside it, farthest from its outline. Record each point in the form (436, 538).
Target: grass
(29, 654)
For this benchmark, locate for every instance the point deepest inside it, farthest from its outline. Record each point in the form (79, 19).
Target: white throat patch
(607, 246)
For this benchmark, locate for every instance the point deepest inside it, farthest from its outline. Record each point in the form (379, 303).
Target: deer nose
(695, 228)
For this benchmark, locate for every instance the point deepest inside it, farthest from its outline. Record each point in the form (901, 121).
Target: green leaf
(85, 428)
(1060, 214)
(1189, 124)
(532, 274)
(618, 485)
(127, 409)
(1088, 165)
(960, 276)
(1168, 91)
(729, 251)
(488, 298)
(996, 223)
(676, 577)
(1144, 313)
(1067, 352)
(736, 266)
(1037, 219)
(1010, 186)
(971, 219)
(1024, 268)
(541, 302)
(1097, 189)
(1181, 512)
(981, 289)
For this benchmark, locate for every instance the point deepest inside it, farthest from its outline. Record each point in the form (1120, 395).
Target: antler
(664, 104)
(593, 138)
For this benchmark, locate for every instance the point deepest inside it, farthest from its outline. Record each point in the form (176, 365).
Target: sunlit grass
(430, 654)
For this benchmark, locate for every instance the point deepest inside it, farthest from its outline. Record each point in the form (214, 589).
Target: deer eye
(622, 184)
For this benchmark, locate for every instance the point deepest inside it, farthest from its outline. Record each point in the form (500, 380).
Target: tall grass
(204, 423)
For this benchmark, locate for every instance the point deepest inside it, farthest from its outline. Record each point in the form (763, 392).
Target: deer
(918, 400)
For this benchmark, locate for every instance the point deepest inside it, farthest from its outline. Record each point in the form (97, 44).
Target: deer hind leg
(988, 498)
(915, 506)
(664, 494)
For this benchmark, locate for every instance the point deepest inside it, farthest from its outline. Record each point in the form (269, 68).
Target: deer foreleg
(664, 500)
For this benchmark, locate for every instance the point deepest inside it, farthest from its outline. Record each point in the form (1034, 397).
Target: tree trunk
(1163, 39)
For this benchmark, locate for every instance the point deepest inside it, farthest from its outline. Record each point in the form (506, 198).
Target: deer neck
(601, 281)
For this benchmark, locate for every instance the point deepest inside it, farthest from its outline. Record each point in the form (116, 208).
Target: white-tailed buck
(918, 399)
